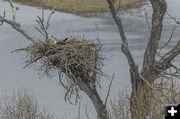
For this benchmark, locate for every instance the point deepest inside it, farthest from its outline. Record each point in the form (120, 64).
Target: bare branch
(79, 110)
(119, 6)
(148, 83)
(146, 15)
(42, 15)
(13, 23)
(159, 10)
(173, 18)
(125, 49)
(13, 10)
(170, 38)
(41, 23)
(52, 12)
(177, 69)
(17, 28)
(87, 113)
(2, 17)
(40, 32)
(165, 62)
(43, 30)
(109, 89)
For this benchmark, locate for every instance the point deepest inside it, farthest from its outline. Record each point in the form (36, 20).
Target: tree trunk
(140, 102)
(141, 96)
(95, 98)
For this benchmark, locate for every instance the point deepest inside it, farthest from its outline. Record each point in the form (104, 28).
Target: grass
(23, 106)
(80, 6)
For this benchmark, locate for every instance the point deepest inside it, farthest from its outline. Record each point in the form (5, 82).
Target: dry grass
(80, 6)
(22, 107)
(164, 92)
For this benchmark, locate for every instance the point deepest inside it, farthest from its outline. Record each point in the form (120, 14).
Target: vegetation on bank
(22, 106)
(80, 6)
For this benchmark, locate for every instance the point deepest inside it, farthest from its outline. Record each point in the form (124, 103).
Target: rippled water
(47, 89)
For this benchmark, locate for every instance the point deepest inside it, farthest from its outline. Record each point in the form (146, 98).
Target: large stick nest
(79, 60)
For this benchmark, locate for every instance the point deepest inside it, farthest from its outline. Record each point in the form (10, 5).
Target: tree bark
(91, 91)
(141, 96)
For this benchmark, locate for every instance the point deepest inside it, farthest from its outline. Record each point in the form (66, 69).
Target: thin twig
(87, 113)
(109, 89)
(170, 38)
(79, 110)
(18, 28)
(52, 12)
(119, 6)
(173, 18)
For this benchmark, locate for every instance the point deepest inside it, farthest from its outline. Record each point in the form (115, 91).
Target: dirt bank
(80, 6)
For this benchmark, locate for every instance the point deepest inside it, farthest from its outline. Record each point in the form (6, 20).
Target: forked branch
(159, 10)
(13, 23)
(165, 62)
(125, 49)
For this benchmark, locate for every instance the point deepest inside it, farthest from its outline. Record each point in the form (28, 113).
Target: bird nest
(78, 60)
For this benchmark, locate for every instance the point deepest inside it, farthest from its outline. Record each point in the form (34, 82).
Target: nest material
(79, 60)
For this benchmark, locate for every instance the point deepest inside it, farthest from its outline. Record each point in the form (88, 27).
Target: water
(47, 89)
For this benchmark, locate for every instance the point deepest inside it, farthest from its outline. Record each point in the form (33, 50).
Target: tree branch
(17, 28)
(52, 12)
(159, 10)
(165, 62)
(109, 88)
(125, 49)
(13, 22)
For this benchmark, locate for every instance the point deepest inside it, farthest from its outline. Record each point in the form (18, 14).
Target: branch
(87, 113)
(165, 62)
(43, 30)
(17, 28)
(124, 47)
(52, 12)
(13, 22)
(79, 110)
(13, 10)
(170, 38)
(109, 90)
(173, 18)
(159, 10)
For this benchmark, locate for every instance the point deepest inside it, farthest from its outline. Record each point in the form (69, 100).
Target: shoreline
(81, 7)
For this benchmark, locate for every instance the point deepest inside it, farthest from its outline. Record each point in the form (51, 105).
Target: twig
(119, 6)
(17, 28)
(173, 18)
(87, 113)
(79, 110)
(52, 12)
(40, 32)
(146, 15)
(150, 86)
(13, 10)
(14, 24)
(109, 89)
(98, 39)
(124, 46)
(42, 15)
(170, 38)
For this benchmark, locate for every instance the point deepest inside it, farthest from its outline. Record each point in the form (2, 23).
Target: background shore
(80, 6)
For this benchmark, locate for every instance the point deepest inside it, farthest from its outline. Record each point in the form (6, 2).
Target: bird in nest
(53, 41)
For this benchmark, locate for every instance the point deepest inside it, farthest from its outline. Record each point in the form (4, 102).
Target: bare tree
(152, 69)
(87, 83)
(141, 81)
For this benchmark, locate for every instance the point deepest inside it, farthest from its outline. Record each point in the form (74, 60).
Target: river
(47, 90)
